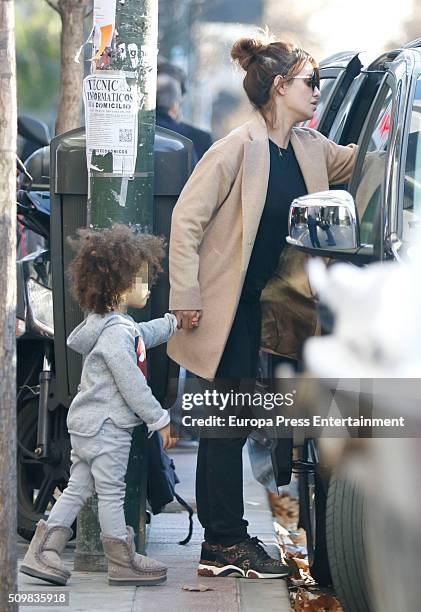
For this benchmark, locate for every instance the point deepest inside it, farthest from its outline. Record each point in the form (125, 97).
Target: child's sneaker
(248, 559)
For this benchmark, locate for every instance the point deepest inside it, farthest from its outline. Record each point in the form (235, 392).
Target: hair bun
(245, 51)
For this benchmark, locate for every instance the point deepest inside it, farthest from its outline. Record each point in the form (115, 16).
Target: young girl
(108, 274)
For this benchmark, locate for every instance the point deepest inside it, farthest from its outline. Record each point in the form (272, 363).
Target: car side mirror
(326, 221)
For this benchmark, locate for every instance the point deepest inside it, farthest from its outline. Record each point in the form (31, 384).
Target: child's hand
(167, 440)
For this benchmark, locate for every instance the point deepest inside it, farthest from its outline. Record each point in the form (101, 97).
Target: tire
(312, 492)
(345, 520)
(38, 480)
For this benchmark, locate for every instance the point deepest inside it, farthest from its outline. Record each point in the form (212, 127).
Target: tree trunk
(8, 122)
(72, 13)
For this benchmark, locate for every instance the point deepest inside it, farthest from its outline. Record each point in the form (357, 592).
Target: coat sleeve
(203, 194)
(340, 161)
(157, 331)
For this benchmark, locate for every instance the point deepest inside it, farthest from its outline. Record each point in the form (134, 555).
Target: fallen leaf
(302, 564)
(284, 508)
(293, 567)
(196, 588)
(329, 603)
(307, 602)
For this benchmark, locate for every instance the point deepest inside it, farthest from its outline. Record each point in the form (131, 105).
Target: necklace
(283, 152)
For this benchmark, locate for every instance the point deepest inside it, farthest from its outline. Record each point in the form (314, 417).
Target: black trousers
(219, 475)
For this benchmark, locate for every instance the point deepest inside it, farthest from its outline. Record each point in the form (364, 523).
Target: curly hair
(107, 262)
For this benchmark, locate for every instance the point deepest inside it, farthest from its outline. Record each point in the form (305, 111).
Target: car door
(375, 183)
(337, 73)
(352, 114)
(407, 219)
(351, 117)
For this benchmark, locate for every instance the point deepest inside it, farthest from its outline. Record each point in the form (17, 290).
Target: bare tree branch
(89, 9)
(53, 4)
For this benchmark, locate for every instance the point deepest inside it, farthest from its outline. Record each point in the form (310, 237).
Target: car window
(326, 88)
(366, 186)
(412, 176)
(343, 113)
(355, 107)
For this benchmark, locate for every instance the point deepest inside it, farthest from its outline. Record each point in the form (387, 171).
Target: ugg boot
(127, 567)
(42, 559)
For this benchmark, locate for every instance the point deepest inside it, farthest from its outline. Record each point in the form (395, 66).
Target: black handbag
(162, 480)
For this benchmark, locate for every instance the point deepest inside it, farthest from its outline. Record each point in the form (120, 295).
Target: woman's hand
(187, 319)
(167, 440)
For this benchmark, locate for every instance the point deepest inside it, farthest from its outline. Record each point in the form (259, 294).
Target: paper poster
(104, 24)
(111, 118)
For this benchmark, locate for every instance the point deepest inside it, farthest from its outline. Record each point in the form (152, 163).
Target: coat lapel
(254, 183)
(308, 158)
(256, 166)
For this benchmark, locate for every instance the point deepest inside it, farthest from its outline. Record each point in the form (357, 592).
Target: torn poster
(111, 119)
(104, 24)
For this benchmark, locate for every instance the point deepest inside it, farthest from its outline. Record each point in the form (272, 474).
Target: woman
(228, 255)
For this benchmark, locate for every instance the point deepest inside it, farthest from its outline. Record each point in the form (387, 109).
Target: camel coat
(214, 225)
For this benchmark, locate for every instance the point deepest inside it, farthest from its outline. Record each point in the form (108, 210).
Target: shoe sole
(29, 571)
(137, 581)
(213, 571)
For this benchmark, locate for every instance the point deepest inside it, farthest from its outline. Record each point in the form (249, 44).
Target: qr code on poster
(125, 135)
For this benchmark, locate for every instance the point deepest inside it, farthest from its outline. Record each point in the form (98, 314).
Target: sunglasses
(312, 81)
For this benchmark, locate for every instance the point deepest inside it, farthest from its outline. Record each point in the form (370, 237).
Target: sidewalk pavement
(90, 591)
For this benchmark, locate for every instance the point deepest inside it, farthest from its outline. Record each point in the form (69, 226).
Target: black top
(164, 120)
(202, 140)
(285, 183)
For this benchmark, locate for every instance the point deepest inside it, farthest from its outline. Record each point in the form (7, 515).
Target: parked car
(373, 218)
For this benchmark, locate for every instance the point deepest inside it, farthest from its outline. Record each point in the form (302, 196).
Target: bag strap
(189, 509)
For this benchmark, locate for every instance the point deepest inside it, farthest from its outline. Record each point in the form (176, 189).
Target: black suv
(377, 105)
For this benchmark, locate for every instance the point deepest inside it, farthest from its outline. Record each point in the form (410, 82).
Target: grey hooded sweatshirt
(112, 386)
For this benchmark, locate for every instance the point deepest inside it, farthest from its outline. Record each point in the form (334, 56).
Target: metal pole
(116, 196)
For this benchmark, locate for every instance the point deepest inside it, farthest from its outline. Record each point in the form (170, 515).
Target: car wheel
(345, 521)
(39, 482)
(312, 493)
